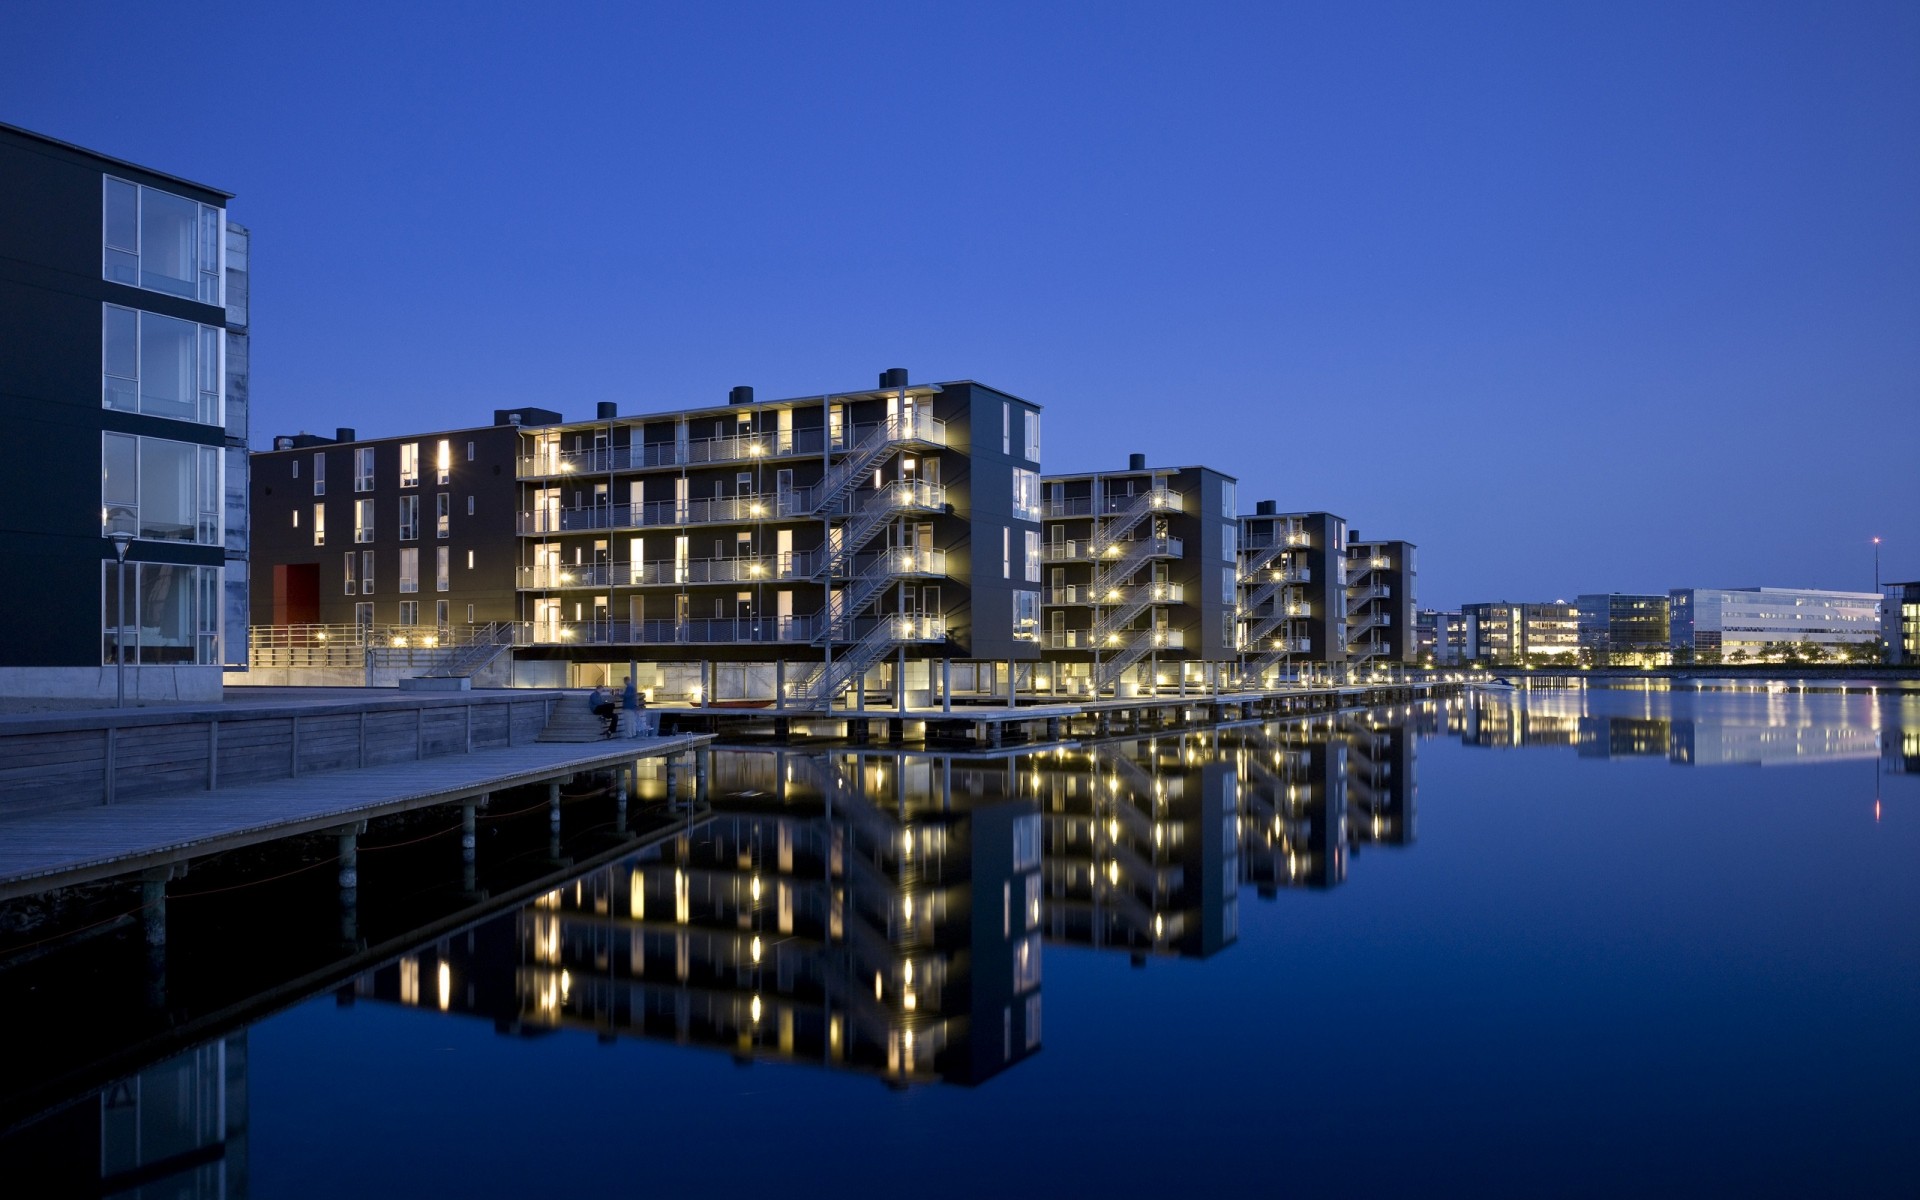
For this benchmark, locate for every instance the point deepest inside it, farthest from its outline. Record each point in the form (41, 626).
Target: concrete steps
(573, 721)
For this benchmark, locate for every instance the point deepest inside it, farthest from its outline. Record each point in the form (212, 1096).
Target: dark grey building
(410, 535)
(123, 295)
(820, 548)
(1382, 577)
(1140, 578)
(1293, 591)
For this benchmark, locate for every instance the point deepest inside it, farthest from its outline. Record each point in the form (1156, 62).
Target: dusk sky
(1577, 297)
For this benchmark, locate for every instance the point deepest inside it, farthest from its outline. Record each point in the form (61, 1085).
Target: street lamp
(1876, 564)
(121, 540)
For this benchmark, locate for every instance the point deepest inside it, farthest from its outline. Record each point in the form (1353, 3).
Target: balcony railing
(1162, 500)
(728, 448)
(1082, 550)
(1080, 593)
(761, 569)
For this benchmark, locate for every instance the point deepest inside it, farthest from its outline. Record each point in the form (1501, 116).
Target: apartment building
(410, 535)
(1382, 578)
(123, 293)
(820, 549)
(1619, 629)
(1502, 633)
(1292, 581)
(1734, 625)
(1140, 579)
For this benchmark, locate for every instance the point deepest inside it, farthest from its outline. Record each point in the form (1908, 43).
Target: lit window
(363, 520)
(469, 560)
(319, 524)
(1006, 552)
(443, 460)
(1033, 555)
(409, 464)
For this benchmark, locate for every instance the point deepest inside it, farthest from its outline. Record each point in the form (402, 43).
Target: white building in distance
(1735, 625)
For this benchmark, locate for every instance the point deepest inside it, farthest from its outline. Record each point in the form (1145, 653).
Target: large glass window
(161, 242)
(363, 469)
(172, 613)
(159, 490)
(363, 520)
(443, 461)
(1026, 494)
(1033, 556)
(410, 569)
(410, 464)
(1026, 616)
(319, 524)
(160, 366)
(409, 518)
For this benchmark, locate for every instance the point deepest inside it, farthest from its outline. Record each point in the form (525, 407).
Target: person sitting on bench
(601, 702)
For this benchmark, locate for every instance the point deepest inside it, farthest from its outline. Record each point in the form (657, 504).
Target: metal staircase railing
(888, 502)
(1134, 510)
(893, 564)
(1108, 671)
(826, 681)
(1109, 574)
(1257, 558)
(476, 656)
(880, 443)
(1357, 599)
(1128, 604)
(1359, 624)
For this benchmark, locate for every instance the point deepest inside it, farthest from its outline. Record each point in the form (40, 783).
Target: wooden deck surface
(46, 851)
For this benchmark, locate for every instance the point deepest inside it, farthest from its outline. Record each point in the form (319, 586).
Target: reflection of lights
(1159, 925)
(753, 888)
(755, 948)
(446, 986)
(879, 988)
(753, 1010)
(1113, 871)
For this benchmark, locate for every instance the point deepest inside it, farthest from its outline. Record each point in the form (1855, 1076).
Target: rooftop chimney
(1266, 508)
(893, 377)
(740, 395)
(1136, 462)
(608, 410)
(343, 434)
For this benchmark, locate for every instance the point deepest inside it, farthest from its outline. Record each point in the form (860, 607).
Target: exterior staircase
(573, 721)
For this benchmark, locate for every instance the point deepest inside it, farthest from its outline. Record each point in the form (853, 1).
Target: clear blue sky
(1578, 297)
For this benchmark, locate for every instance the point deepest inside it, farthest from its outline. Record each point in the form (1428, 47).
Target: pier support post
(153, 919)
(896, 731)
(1053, 729)
(349, 863)
(946, 685)
(470, 841)
(700, 761)
(672, 780)
(622, 772)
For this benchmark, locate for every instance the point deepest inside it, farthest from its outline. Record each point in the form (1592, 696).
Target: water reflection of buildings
(176, 1129)
(850, 911)
(1764, 729)
(883, 911)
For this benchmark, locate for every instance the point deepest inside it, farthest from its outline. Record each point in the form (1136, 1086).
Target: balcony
(764, 569)
(1083, 550)
(1159, 499)
(1082, 594)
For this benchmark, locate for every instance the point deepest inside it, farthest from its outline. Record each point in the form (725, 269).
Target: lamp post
(1876, 564)
(121, 540)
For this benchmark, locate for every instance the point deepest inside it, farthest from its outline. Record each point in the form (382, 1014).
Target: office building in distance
(1623, 630)
(1900, 623)
(1503, 633)
(124, 299)
(1441, 637)
(1736, 625)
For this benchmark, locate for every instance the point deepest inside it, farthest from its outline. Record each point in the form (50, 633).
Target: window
(1006, 552)
(409, 518)
(469, 505)
(159, 490)
(296, 468)
(366, 572)
(469, 614)
(1033, 436)
(1006, 427)
(1026, 963)
(443, 515)
(410, 464)
(442, 613)
(442, 569)
(363, 469)
(469, 451)
(347, 573)
(363, 614)
(161, 242)
(1026, 616)
(443, 461)
(160, 366)
(1229, 542)
(1227, 501)
(319, 474)
(1033, 556)
(296, 518)
(410, 570)
(172, 613)
(1033, 901)
(469, 560)
(363, 520)
(1026, 494)
(319, 524)
(409, 612)
(1033, 1020)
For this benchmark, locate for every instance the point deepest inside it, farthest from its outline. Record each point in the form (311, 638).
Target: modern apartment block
(1140, 578)
(1733, 625)
(1619, 629)
(1441, 637)
(811, 547)
(1900, 623)
(411, 534)
(1502, 633)
(1381, 581)
(124, 299)
(1293, 591)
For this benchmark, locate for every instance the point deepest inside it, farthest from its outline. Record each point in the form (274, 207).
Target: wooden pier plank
(57, 849)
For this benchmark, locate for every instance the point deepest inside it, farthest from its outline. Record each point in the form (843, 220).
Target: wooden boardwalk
(56, 849)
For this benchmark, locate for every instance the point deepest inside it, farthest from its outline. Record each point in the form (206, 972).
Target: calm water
(1591, 943)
